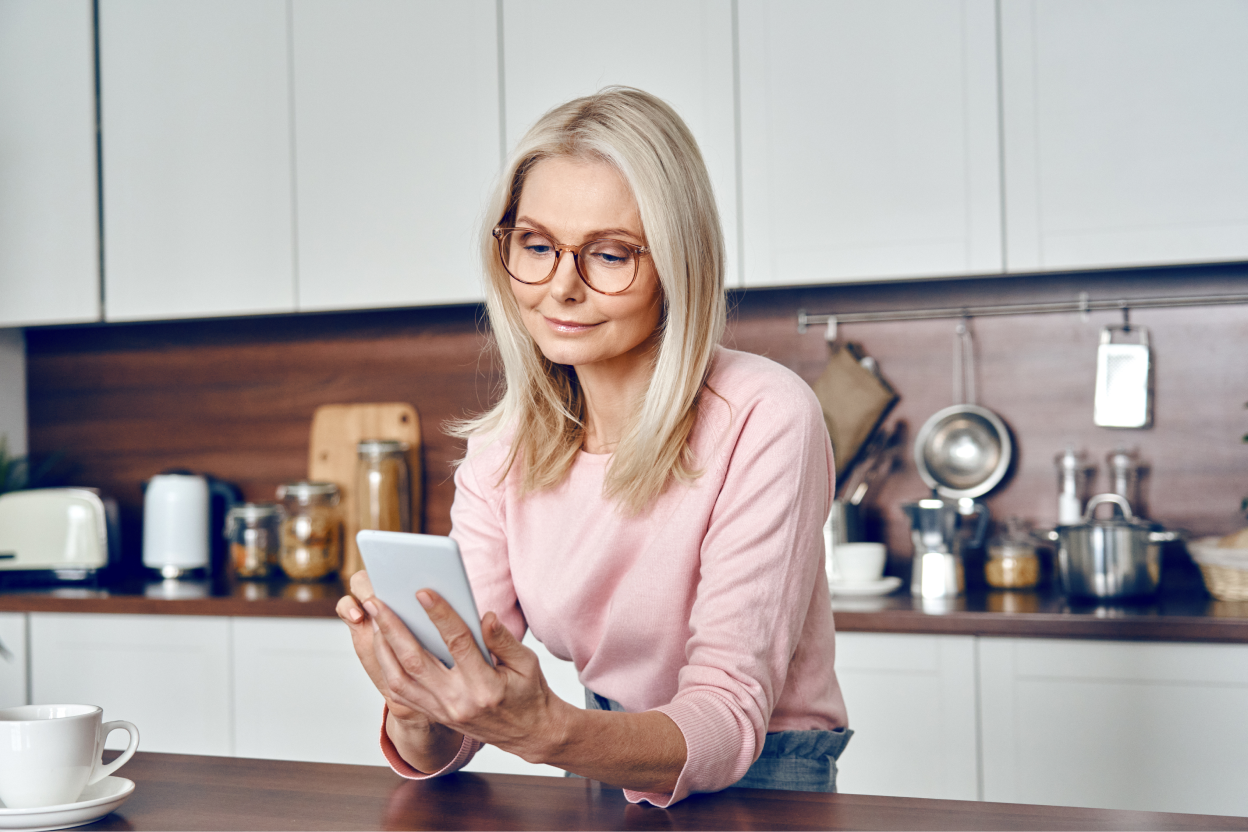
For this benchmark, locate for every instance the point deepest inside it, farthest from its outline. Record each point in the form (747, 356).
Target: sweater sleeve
(760, 558)
(477, 527)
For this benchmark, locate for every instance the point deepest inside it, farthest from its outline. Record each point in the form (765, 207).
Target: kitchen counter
(203, 793)
(1185, 615)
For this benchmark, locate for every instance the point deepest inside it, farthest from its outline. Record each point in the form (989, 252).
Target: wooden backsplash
(235, 397)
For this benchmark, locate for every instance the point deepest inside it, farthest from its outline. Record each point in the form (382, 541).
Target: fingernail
(371, 607)
(354, 615)
(425, 599)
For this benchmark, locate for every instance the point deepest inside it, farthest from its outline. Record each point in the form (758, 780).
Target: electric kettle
(183, 514)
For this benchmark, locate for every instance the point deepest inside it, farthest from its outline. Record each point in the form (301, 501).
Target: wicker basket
(1225, 570)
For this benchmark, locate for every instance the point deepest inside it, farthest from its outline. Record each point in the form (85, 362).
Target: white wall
(13, 389)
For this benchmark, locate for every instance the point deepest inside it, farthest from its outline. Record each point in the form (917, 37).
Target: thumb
(500, 641)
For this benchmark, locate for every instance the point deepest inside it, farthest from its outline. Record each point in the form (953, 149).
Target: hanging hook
(1126, 316)
(829, 334)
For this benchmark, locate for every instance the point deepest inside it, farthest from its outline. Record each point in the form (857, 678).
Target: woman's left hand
(508, 705)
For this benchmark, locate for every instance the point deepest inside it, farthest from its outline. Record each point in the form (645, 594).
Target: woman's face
(574, 201)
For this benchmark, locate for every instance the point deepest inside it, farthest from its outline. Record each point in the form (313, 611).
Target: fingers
(500, 641)
(361, 586)
(348, 609)
(401, 645)
(459, 641)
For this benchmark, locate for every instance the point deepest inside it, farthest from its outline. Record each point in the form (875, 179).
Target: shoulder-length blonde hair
(542, 407)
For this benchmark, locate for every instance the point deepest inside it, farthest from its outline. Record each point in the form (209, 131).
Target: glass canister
(383, 486)
(311, 530)
(1012, 560)
(253, 530)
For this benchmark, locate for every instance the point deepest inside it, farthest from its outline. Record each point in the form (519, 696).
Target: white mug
(50, 753)
(859, 563)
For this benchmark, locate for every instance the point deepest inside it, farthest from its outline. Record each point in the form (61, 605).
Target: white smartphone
(399, 564)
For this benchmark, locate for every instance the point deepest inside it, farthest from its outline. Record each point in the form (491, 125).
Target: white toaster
(54, 534)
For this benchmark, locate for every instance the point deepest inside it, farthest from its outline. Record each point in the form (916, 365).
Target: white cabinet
(557, 50)
(912, 705)
(1155, 727)
(397, 144)
(869, 140)
(301, 694)
(1124, 131)
(49, 223)
(12, 659)
(195, 111)
(169, 675)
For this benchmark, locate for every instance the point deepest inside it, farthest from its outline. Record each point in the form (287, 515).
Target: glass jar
(383, 486)
(311, 530)
(1012, 561)
(253, 531)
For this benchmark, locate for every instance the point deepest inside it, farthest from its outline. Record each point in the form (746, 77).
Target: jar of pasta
(311, 530)
(253, 532)
(1012, 561)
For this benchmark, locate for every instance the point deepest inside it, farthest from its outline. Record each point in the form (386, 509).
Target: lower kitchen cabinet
(168, 674)
(912, 706)
(1148, 726)
(12, 659)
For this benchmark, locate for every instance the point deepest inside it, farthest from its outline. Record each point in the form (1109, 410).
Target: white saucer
(97, 801)
(881, 587)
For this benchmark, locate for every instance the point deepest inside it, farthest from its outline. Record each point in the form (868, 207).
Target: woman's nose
(566, 285)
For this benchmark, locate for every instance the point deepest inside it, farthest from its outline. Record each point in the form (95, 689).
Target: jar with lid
(311, 530)
(253, 531)
(383, 486)
(1012, 561)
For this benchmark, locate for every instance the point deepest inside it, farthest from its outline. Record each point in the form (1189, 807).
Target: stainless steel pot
(1113, 557)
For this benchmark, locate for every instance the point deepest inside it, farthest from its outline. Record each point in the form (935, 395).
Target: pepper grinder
(1124, 468)
(1073, 473)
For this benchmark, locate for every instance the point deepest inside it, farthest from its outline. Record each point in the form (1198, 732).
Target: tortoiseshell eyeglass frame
(501, 232)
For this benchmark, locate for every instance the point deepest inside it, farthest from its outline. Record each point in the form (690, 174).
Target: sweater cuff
(719, 747)
(467, 749)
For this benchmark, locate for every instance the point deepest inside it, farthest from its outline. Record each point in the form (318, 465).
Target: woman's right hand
(418, 739)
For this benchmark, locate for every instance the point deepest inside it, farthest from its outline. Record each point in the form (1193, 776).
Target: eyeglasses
(606, 266)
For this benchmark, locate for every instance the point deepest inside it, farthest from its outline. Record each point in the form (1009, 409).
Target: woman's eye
(611, 255)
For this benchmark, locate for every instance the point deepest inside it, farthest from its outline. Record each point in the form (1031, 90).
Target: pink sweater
(711, 607)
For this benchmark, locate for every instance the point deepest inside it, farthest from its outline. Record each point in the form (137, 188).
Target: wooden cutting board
(332, 457)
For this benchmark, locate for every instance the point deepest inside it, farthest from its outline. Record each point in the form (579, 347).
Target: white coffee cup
(50, 753)
(858, 563)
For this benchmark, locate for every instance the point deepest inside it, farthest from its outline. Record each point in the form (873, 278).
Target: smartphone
(399, 564)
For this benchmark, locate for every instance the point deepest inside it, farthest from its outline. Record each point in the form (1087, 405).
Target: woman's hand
(508, 705)
(421, 741)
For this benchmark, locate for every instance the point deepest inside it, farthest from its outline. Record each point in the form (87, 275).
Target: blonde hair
(542, 407)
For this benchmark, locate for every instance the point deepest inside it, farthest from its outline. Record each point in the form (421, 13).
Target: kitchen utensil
(854, 401)
(52, 535)
(333, 456)
(1073, 473)
(963, 450)
(876, 465)
(1112, 557)
(253, 531)
(1125, 469)
(181, 523)
(383, 486)
(1122, 397)
(1224, 569)
(311, 530)
(844, 524)
(941, 531)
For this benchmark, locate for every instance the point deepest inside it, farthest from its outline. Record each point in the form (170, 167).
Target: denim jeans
(802, 761)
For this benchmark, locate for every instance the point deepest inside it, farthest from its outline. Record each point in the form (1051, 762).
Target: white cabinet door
(557, 50)
(168, 674)
(397, 143)
(911, 702)
(195, 110)
(1125, 125)
(1116, 725)
(563, 681)
(301, 694)
(869, 140)
(49, 227)
(12, 659)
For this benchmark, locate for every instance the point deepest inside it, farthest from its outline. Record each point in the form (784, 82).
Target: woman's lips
(568, 327)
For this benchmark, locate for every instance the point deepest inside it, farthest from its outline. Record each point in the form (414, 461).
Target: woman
(648, 503)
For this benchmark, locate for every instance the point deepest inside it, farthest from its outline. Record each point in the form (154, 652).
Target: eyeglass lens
(531, 257)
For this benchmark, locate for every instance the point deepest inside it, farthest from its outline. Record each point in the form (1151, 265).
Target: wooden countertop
(1187, 615)
(175, 792)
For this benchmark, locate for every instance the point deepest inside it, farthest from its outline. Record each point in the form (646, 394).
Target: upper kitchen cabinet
(869, 140)
(1126, 132)
(556, 50)
(195, 111)
(49, 221)
(397, 143)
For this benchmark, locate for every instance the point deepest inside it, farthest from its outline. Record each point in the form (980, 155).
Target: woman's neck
(613, 392)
